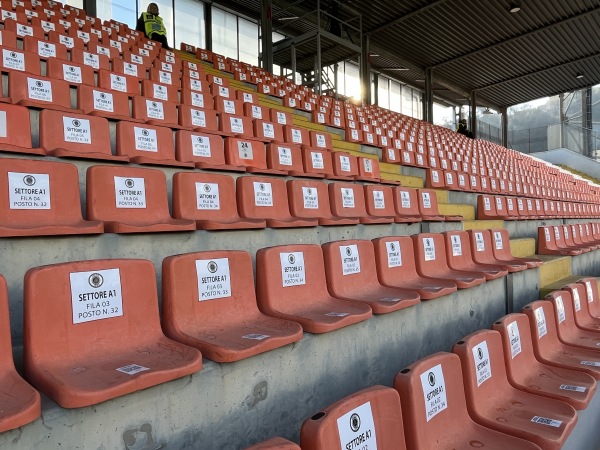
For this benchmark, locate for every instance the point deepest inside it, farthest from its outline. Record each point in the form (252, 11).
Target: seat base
(19, 402)
(64, 153)
(172, 225)
(238, 224)
(83, 227)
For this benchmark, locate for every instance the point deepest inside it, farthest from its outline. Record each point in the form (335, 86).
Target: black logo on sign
(129, 183)
(212, 267)
(39, 83)
(46, 45)
(71, 69)
(262, 187)
(102, 95)
(96, 280)
(29, 180)
(145, 132)
(154, 104)
(76, 123)
(348, 251)
(118, 78)
(347, 191)
(291, 259)
(207, 188)
(431, 378)
(480, 353)
(355, 422)
(309, 190)
(392, 246)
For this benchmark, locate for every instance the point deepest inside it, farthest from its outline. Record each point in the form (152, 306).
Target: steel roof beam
(404, 17)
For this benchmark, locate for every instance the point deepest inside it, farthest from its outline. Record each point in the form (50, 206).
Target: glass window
(224, 33)
(120, 10)
(417, 105)
(352, 81)
(165, 11)
(248, 39)
(395, 96)
(75, 3)
(383, 89)
(189, 21)
(407, 106)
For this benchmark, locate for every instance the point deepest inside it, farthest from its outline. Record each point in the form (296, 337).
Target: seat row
(42, 198)
(568, 240)
(494, 207)
(515, 386)
(209, 305)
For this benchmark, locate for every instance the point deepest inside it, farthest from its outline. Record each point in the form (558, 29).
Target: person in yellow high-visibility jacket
(151, 24)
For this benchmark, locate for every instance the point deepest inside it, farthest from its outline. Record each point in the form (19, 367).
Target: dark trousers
(160, 38)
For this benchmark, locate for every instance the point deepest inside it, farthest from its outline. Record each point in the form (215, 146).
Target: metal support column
(586, 121)
(208, 26)
(318, 68)
(428, 97)
(504, 113)
(335, 80)
(90, 8)
(365, 71)
(266, 27)
(563, 119)
(473, 114)
(375, 89)
(293, 55)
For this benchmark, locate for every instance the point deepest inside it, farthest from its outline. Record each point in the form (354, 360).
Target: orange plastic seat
(379, 201)
(395, 262)
(92, 332)
(295, 135)
(428, 207)
(494, 403)
(205, 150)
(345, 166)
(209, 200)
(209, 303)
(317, 163)
(486, 208)
(352, 275)
(202, 120)
(371, 417)
(566, 328)
(44, 49)
(275, 443)
(582, 302)
(406, 204)
(265, 198)
(39, 92)
(267, 131)
(482, 251)
(432, 262)
(131, 200)
(501, 250)
(549, 349)
(348, 200)
(291, 284)
(8, 38)
(76, 136)
(155, 112)
(285, 158)
(14, 60)
(41, 198)
(458, 251)
(432, 390)
(528, 374)
(90, 58)
(160, 91)
(310, 200)
(147, 144)
(547, 243)
(104, 103)
(248, 154)
(118, 82)
(15, 125)
(19, 402)
(73, 73)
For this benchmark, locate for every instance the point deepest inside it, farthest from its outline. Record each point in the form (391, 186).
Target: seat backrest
(284, 157)
(296, 135)
(91, 58)
(198, 119)
(207, 290)
(71, 72)
(15, 125)
(38, 193)
(44, 49)
(74, 132)
(395, 259)
(159, 91)
(350, 267)
(371, 417)
(69, 306)
(543, 326)
(481, 246)
(245, 152)
(591, 295)
(432, 390)
(317, 161)
(262, 198)
(486, 207)
(406, 201)
(565, 318)
(199, 147)
(126, 194)
(458, 250)
(368, 168)
(118, 82)
(430, 253)
(20, 61)
(144, 140)
(379, 200)
(428, 205)
(44, 92)
(308, 199)
(347, 199)
(103, 102)
(501, 243)
(546, 240)
(155, 111)
(290, 274)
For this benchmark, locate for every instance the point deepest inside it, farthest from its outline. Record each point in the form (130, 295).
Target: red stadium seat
(39, 92)
(206, 151)
(300, 293)
(285, 158)
(118, 82)
(220, 318)
(104, 103)
(547, 242)
(348, 200)
(483, 253)
(494, 403)
(371, 417)
(131, 200)
(428, 207)
(209, 200)
(406, 204)
(379, 201)
(351, 275)
(432, 390)
(155, 112)
(249, 154)
(70, 307)
(458, 252)
(15, 130)
(501, 250)
(19, 402)
(528, 374)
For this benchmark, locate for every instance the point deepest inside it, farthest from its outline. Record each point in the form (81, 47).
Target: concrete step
(545, 290)
(348, 146)
(482, 224)
(404, 180)
(450, 209)
(554, 268)
(522, 247)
